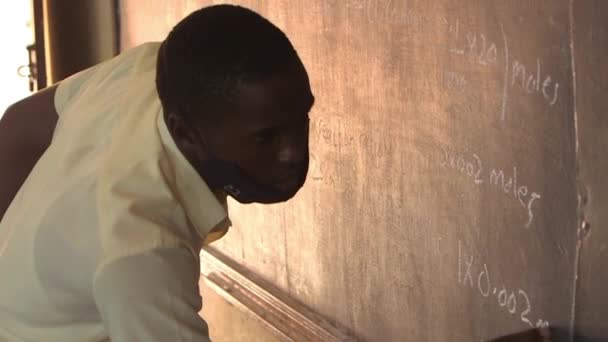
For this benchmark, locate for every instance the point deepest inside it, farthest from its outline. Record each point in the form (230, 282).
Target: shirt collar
(204, 209)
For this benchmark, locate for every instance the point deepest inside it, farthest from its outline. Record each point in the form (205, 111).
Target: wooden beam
(289, 320)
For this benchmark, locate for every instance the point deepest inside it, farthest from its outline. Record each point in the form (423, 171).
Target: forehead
(274, 99)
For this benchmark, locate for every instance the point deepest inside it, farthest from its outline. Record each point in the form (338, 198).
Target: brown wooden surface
(591, 60)
(281, 314)
(228, 323)
(405, 230)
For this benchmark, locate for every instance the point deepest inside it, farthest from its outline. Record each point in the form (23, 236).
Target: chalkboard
(442, 200)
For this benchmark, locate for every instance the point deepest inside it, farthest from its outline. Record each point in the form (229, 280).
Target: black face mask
(235, 182)
(229, 177)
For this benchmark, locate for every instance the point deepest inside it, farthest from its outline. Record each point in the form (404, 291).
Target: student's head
(236, 99)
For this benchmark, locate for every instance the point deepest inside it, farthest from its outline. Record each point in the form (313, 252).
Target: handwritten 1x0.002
(477, 277)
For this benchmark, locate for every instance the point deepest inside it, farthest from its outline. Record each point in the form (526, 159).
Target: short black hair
(213, 49)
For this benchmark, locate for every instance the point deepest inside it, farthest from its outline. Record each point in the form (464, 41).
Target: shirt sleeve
(69, 86)
(153, 296)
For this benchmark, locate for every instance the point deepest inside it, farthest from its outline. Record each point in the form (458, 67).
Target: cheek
(260, 173)
(256, 155)
(257, 163)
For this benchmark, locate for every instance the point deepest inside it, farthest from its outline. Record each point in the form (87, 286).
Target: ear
(180, 131)
(185, 136)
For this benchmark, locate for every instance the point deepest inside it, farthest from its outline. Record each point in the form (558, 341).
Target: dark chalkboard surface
(442, 200)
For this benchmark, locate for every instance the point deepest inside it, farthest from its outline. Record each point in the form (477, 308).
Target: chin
(273, 197)
(282, 198)
(288, 196)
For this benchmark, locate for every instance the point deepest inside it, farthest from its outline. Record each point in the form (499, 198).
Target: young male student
(115, 178)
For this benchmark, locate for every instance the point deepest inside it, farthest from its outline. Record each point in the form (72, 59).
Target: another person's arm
(26, 130)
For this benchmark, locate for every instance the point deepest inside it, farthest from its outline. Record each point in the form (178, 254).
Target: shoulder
(39, 100)
(30, 121)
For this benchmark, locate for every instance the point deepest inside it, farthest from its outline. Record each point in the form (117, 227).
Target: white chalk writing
(478, 48)
(471, 166)
(454, 81)
(475, 46)
(477, 277)
(391, 13)
(530, 81)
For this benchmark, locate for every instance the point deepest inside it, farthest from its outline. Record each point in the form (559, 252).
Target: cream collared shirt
(103, 239)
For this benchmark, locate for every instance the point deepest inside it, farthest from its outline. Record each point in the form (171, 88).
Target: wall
(590, 38)
(456, 151)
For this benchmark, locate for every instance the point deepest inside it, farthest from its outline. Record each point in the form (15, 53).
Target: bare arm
(26, 129)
